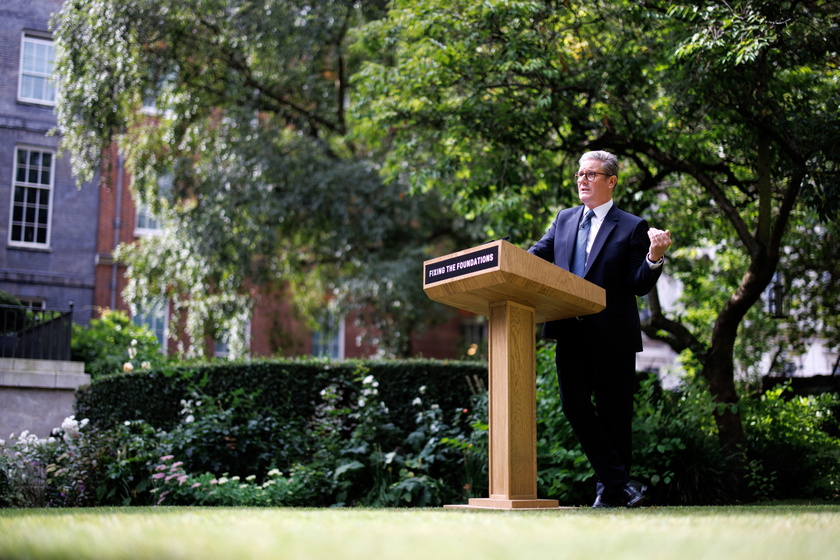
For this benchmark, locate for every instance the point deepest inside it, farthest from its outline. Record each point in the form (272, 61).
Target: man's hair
(609, 163)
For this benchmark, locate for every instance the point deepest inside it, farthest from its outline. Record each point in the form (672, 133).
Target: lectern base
(496, 503)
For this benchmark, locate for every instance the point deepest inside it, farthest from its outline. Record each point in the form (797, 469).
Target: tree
(240, 106)
(725, 113)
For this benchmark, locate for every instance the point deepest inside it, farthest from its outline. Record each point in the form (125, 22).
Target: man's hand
(659, 242)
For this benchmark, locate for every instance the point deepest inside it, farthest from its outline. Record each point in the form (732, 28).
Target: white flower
(417, 400)
(70, 424)
(127, 367)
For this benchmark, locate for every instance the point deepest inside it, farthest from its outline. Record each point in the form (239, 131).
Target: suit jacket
(617, 263)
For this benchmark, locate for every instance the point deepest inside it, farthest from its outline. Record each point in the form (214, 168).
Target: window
(31, 198)
(156, 320)
(148, 223)
(221, 349)
(327, 342)
(222, 346)
(32, 303)
(36, 66)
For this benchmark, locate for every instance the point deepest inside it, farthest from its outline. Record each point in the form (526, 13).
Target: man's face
(597, 191)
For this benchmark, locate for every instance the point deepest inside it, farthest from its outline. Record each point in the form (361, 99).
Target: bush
(790, 444)
(375, 433)
(676, 450)
(793, 450)
(175, 486)
(113, 344)
(321, 434)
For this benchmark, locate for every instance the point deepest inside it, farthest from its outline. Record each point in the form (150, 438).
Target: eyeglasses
(590, 175)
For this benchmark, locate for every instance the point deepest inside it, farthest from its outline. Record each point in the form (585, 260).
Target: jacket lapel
(569, 233)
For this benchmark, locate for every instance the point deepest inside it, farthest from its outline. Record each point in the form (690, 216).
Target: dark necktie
(579, 262)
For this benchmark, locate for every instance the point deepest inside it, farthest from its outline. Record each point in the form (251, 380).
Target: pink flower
(182, 479)
(178, 464)
(160, 468)
(196, 485)
(158, 475)
(170, 477)
(167, 457)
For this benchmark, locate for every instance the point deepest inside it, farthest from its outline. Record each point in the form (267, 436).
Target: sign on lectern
(515, 290)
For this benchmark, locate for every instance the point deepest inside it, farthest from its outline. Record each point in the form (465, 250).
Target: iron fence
(36, 334)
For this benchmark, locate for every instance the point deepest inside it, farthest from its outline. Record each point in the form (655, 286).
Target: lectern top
(500, 271)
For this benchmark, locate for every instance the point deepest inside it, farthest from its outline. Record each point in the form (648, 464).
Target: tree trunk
(719, 366)
(719, 371)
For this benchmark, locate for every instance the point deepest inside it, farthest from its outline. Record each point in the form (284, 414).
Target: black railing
(35, 334)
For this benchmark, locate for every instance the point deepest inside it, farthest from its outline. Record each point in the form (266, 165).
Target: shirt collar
(601, 211)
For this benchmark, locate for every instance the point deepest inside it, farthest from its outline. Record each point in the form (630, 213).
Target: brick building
(60, 238)
(274, 330)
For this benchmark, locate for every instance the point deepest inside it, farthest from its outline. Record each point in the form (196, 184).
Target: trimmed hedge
(291, 389)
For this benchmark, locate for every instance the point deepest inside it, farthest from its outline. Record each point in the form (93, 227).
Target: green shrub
(113, 344)
(790, 443)
(151, 396)
(12, 318)
(403, 434)
(676, 450)
(375, 433)
(175, 486)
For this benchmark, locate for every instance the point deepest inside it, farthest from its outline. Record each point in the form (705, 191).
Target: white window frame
(159, 313)
(29, 38)
(145, 214)
(324, 348)
(26, 185)
(221, 349)
(32, 302)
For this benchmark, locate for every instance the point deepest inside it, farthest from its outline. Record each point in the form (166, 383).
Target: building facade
(48, 245)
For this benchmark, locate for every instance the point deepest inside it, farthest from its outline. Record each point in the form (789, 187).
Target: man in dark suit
(596, 354)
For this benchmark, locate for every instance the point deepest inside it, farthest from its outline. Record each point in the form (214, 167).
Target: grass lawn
(808, 532)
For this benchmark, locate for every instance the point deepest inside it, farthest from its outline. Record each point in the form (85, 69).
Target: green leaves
(242, 105)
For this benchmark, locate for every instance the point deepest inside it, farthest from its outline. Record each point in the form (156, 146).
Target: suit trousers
(597, 393)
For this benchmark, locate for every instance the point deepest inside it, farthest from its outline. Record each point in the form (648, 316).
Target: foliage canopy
(231, 119)
(723, 113)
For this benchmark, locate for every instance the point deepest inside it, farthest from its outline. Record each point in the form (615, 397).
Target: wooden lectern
(516, 290)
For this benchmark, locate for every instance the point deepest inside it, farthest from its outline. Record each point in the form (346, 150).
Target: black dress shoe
(600, 502)
(631, 496)
(634, 493)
